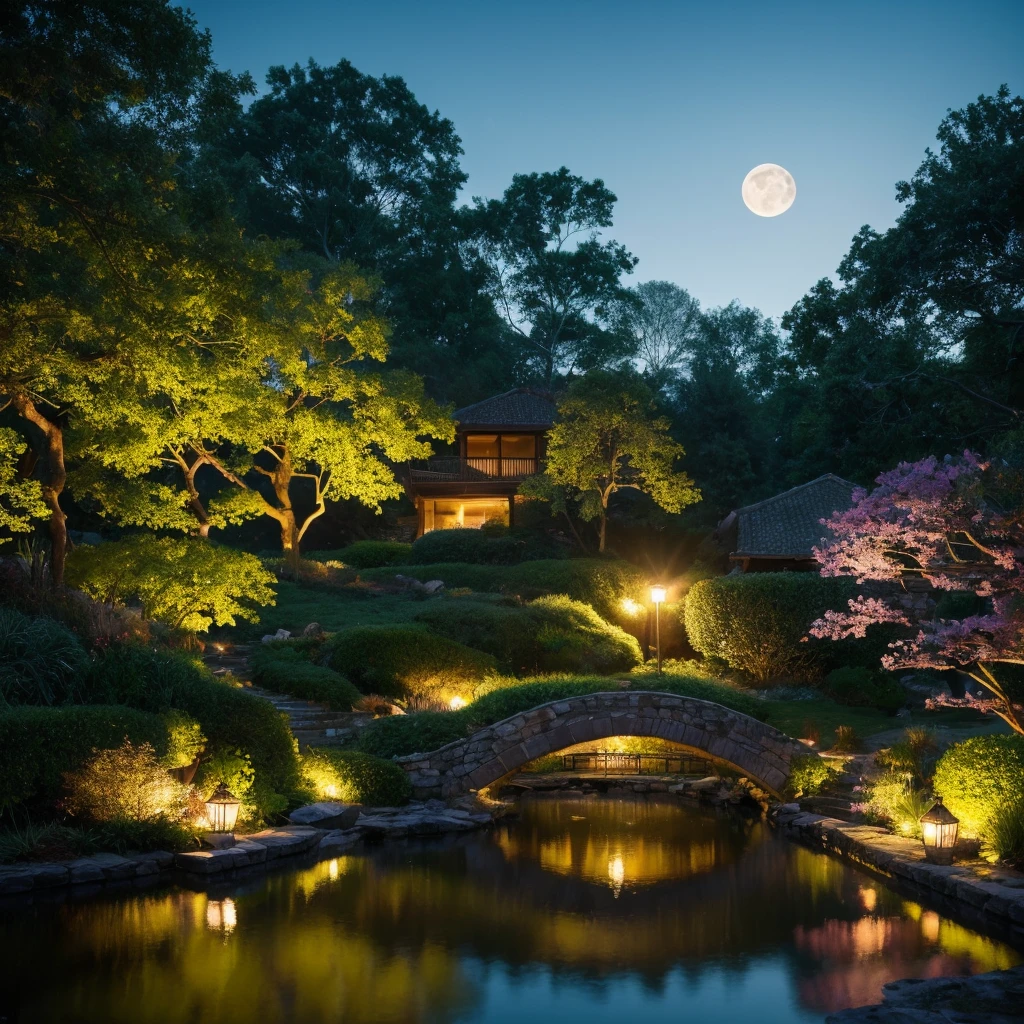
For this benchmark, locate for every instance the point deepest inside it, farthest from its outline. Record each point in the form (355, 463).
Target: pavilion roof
(522, 408)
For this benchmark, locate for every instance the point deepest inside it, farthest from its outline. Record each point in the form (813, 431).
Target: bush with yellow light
(980, 777)
(353, 777)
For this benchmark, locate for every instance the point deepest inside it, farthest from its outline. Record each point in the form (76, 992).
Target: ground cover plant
(488, 546)
(355, 777)
(282, 668)
(366, 554)
(41, 660)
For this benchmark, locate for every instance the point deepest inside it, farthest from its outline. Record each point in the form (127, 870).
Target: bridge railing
(609, 763)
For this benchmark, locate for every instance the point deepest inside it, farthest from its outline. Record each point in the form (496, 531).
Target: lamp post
(939, 828)
(222, 813)
(657, 596)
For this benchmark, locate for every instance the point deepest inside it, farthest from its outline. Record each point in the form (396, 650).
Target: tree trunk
(602, 529)
(281, 481)
(52, 485)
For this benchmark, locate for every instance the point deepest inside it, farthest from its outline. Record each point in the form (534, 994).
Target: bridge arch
(757, 750)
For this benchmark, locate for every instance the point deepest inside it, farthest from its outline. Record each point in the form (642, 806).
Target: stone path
(312, 724)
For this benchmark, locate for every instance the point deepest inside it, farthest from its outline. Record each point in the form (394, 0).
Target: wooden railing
(473, 468)
(636, 764)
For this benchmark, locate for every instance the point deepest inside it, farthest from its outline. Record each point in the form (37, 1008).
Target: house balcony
(444, 469)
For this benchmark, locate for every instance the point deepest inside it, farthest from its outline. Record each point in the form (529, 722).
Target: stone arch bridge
(738, 741)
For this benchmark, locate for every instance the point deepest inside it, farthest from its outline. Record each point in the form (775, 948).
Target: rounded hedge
(485, 547)
(366, 554)
(40, 745)
(550, 634)
(355, 777)
(408, 662)
(980, 777)
(757, 622)
(282, 668)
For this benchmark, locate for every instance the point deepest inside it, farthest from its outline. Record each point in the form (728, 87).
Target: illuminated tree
(21, 500)
(607, 439)
(939, 522)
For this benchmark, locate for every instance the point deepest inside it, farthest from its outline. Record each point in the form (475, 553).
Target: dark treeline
(149, 198)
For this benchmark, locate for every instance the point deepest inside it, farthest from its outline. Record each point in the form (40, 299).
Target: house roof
(522, 407)
(789, 524)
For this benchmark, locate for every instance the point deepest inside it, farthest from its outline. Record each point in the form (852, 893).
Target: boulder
(314, 629)
(326, 815)
(433, 586)
(281, 634)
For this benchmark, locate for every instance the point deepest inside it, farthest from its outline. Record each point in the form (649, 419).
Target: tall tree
(663, 321)
(554, 280)
(609, 438)
(96, 99)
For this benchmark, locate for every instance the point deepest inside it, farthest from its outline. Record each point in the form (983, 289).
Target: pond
(594, 909)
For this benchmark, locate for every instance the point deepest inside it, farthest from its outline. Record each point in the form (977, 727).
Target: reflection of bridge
(722, 735)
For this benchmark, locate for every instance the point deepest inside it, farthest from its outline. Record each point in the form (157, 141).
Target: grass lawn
(791, 716)
(297, 606)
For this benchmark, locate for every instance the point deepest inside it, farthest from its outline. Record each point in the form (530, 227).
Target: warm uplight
(456, 702)
(330, 791)
(657, 594)
(222, 810)
(939, 828)
(631, 607)
(221, 915)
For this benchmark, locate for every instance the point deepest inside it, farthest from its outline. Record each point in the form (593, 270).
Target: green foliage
(21, 500)
(860, 687)
(412, 734)
(141, 677)
(1005, 835)
(758, 621)
(482, 547)
(355, 777)
(282, 668)
(127, 783)
(979, 777)
(185, 583)
(41, 661)
(39, 746)
(810, 774)
(893, 798)
(407, 662)
(231, 768)
(54, 840)
(185, 739)
(608, 438)
(847, 740)
(366, 554)
(601, 583)
(550, 634)
(911, 755)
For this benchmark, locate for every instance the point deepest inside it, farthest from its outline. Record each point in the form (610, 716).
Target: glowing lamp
(939, 830)
(222, 810)
(456, 702)
(657, 594)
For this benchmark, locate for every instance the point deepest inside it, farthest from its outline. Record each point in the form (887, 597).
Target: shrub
(141, 677)
(485, 547)
(1005, 836)
(185, 739)
(979, 777)
(603, 583)
(810, 774)
(284, 668)
(847, 741)
(127, 783)
(860, 687)
(412, 734)
(407, 661)
(39, 746)
(910, 755)
(550, 634)
(893, 798)
(355, 777)
(367, 554)
(41, 661)
(758, 621)
(186, 583)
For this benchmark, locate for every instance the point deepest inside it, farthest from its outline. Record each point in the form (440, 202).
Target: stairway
(836, 799)
(312, 724)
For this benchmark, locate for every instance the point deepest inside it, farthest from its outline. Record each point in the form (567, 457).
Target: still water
(593, 910)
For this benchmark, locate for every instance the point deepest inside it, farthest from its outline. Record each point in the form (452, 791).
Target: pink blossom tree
(935, 521)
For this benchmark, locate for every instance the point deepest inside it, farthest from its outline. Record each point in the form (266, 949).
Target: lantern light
(222, 810)
(939, 828)
(657, 594)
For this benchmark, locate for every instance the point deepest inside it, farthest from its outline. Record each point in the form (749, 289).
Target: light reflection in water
(580, 910)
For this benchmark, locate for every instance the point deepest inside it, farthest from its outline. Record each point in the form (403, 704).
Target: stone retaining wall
(755, 749)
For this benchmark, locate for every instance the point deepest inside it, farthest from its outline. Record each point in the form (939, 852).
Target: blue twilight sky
(671, 103)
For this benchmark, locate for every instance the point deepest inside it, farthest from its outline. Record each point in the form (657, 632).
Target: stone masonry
(757, 750)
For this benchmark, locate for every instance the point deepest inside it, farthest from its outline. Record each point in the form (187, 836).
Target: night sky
(671, 104)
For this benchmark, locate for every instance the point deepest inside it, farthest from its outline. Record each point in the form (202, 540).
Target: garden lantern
(939, 830)
(222, 810)
(657, 596)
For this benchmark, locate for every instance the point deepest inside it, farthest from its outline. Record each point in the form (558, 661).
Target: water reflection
(586, 909)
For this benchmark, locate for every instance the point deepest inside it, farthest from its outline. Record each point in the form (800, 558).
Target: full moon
(769, 190)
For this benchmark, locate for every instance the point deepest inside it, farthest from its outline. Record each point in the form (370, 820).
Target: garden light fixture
(939, 830)
(657, 596)
(222, 813)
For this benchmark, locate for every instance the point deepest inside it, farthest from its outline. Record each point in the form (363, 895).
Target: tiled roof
(522, 407)
(790, 523)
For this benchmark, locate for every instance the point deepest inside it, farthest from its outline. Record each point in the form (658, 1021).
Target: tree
(21, 500)
(554, 281)
(663, 321)
(96, 100)
(940, 522)
(607, 439)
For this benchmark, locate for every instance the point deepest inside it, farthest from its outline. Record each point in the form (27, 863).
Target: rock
(16, 879)
(326, 815)
(281, 634)
(339, 841)
(433, 586)
(314, 629)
